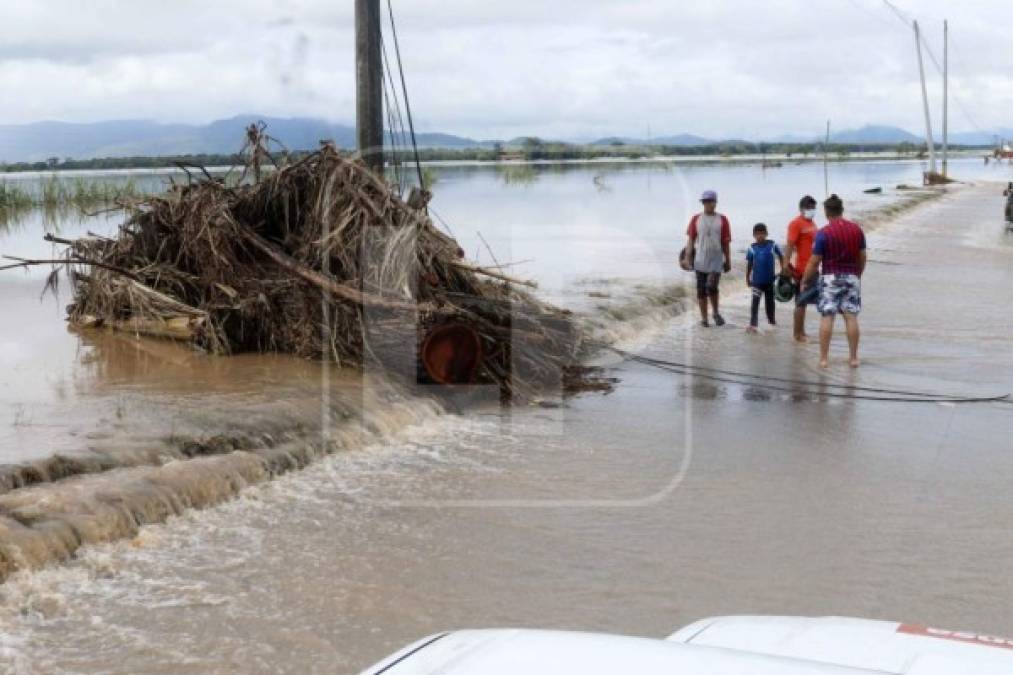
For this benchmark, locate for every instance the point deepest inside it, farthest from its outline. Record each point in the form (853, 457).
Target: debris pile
(321, 259)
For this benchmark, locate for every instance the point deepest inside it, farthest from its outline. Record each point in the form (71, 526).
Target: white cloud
(494, 69)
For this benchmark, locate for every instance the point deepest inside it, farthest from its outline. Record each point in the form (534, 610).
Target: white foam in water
(631, 315)
(419, 446)
(90, 609)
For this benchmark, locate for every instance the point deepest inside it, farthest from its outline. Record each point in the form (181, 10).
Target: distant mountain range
(875, 134)
(886, 134)
(683, 140)
(135, 138)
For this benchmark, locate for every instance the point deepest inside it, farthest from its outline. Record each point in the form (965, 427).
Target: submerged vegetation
(59, 198)
(14, 198)
(55, 192)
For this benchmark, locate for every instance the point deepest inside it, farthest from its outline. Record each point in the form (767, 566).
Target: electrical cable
(404, 87)
(846, 390)
(446, 225)
(958, 52)
(399, 118)
(393, 141)
(909, 22)
(393, 109)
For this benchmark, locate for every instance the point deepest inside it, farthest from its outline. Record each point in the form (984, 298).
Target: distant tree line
(69, 164)
(536, 149)
(525, 149)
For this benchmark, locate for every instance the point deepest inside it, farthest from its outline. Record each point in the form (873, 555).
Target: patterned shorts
(840, 294)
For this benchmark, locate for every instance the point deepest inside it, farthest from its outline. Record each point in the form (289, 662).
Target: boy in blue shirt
(760, 274)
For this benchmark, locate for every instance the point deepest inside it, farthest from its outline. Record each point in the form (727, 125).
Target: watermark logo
(550, 430)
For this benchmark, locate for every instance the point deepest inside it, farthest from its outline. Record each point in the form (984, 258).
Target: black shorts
(707, 283)
(810, 296)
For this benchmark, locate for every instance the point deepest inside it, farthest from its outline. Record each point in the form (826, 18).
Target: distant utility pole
(369, 83)
(925, 101)
(946, 95)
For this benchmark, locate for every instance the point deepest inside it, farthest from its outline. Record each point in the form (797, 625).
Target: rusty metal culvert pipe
(452, 354)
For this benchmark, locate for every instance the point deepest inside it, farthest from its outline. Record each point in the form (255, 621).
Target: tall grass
(84, 194)
(14, 197)
(58, 193)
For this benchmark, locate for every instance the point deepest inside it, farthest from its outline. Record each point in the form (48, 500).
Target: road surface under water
(669, 500)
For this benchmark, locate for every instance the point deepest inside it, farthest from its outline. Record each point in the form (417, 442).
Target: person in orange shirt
(797, 251)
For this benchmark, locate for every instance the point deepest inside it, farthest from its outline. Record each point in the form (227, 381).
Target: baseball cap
(709, 196)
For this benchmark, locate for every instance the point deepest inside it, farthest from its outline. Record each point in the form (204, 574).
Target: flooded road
(669, 500)
(597, 237)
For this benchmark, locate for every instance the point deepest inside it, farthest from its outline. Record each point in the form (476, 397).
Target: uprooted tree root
(320, 259)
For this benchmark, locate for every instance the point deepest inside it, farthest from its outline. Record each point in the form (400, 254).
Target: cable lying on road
(846, 391)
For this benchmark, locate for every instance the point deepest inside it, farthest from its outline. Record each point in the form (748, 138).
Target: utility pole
(946, 95)
(369, 83)
(925, 101)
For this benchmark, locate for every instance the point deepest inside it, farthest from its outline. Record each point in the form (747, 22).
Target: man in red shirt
(797, 251)
(838, 260)
(710, 237)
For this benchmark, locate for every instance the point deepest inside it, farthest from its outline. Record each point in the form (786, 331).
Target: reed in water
(61, 193)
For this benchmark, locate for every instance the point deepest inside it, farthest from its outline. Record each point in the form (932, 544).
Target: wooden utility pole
(946, 96)
(369, 83)
(925, 101)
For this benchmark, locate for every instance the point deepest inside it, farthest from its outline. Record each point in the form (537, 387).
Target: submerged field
(55, 193)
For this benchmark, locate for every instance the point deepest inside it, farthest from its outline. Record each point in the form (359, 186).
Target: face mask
(810, 214)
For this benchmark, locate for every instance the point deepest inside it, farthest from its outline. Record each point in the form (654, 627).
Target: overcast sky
(503, 68)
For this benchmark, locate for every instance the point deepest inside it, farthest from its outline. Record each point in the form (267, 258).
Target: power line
(404, 90)
(908, 21)
(905, 19)
(395, 120)
(865, 10)
(393, 140)
(805, 387)
(400, 119)
(960, 57)
(953, 95)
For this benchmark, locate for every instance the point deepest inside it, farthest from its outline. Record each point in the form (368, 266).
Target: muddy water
(67, 392)
(599, 238)
(662, 503)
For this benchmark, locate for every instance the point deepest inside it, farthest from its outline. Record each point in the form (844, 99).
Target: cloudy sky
(502, 68)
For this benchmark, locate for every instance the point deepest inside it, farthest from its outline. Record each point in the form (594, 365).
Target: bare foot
(802, 339)
(824, 364)
(752, 329)
(855, 362)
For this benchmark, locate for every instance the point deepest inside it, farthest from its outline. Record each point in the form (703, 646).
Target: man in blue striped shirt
(838, 261)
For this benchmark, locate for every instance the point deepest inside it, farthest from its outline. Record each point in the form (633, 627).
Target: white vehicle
(744, 645)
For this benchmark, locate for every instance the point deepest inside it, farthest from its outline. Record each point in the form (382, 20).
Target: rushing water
(667, 501)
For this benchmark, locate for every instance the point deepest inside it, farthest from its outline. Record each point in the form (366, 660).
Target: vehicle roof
(512, 652)
(901, 649)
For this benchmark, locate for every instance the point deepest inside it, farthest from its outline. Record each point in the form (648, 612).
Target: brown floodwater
(669, 500)
(81, 393)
